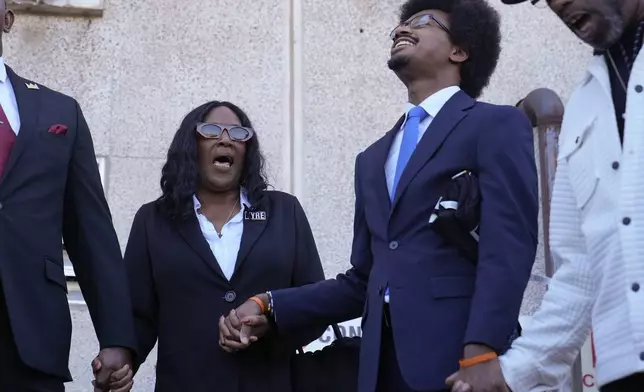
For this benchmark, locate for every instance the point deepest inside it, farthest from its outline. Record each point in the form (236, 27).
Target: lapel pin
(255, 215)
(32, 86)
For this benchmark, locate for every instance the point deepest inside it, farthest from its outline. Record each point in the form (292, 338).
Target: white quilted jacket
(597, 236)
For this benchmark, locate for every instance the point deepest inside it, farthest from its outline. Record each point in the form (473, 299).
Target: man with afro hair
(426, 310)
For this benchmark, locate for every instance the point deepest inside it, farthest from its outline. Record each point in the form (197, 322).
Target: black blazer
(179, 292)
(51, 188)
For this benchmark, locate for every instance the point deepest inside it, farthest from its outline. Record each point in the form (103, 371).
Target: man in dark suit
(50, 187)
(426, 309)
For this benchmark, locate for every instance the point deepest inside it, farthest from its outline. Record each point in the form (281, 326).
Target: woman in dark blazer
(214, 238)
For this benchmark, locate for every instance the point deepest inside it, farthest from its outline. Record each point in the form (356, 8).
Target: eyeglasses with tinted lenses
(214, 131)
(418, 22)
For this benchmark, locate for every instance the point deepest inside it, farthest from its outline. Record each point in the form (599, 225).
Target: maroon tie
(7, 138)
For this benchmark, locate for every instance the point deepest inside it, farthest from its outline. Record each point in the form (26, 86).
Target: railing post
(545, 110)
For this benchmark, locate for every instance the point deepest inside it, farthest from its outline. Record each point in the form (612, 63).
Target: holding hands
(244, 325)
(112, 370)
(483, 377)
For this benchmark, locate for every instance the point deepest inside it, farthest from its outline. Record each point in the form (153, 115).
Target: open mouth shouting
(580, 23)
(223, 162)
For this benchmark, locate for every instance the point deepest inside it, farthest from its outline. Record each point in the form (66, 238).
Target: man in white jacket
(597, 218)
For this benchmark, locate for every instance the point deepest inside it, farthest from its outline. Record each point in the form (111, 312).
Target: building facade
(311, 74)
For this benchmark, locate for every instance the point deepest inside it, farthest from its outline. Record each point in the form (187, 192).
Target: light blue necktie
(409, 141)
(407, 147)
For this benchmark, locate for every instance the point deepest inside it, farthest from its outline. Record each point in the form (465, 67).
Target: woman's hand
(242, 327)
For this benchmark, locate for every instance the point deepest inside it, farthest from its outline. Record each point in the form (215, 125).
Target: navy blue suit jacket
(439, 300)
(51, 188)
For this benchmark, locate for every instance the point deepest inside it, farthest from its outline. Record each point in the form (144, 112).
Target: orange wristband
(260, 303)
(477, 359)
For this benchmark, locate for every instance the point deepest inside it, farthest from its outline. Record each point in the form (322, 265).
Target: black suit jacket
(179, 293)
(51, 187)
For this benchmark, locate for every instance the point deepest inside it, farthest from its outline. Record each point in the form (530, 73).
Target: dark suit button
(393, 245)
(615, 165)
(635, 287)
(639, 88)
(230, 296)
(626, 221)
(380, 290)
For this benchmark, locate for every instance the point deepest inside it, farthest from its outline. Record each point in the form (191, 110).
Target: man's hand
(243, 326)
(484, 377)
(112, 370)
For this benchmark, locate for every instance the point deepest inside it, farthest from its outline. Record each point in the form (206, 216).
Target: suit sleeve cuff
(280, 310)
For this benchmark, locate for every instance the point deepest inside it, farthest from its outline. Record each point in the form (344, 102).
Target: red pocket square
(58, 129)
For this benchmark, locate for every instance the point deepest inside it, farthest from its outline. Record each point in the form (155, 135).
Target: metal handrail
(545, 111)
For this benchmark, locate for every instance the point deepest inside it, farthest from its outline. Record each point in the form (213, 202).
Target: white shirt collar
(3, 70)
(434, 102)
(242, 199)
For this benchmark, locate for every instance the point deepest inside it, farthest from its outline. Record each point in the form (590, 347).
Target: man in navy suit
(50, 188)
(426, 310)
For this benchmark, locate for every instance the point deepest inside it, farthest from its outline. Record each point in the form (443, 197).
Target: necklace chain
(619, 75)
(627, 61)
(220, 233)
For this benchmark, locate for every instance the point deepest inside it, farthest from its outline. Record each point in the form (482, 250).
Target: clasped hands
(248, 323)
(243, 326)
(112, 370)
(484, 377)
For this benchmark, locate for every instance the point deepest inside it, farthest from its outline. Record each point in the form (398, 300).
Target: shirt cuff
(520, 372)
(271, 306)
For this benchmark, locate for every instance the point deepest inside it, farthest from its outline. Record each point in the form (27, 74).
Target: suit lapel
(191, 233)
(29, 101)
(381, 152)
(441, 126)
(253, 229)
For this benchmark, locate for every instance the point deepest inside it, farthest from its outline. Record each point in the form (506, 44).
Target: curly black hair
(475, 28)
(180, 174)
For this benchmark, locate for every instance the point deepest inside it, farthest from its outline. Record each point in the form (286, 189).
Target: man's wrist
(129, 353)
(266, 300)
(474, 349)
(129, 350)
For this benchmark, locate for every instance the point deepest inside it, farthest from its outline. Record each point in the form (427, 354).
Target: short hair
(180, 174)
(475, 28)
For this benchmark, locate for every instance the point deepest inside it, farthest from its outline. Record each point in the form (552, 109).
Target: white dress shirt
(597, 238)
(8, 99)
(224, 249)
(432, 105)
